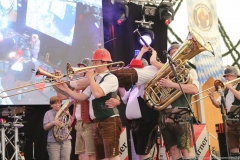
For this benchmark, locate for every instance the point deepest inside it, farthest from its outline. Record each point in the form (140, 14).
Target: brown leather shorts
(106, 136)
(175, 133)
(233, 133)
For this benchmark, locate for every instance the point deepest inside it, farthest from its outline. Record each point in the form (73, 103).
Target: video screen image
(52, 17)
(8, 13)
(19, 84)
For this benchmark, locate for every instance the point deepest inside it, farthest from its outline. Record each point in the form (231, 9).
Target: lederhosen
(236, 102)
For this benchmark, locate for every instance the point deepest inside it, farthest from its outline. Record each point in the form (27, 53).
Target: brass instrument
(73, 70)
(217, 85)
(62, 132)
(160, 97)
(52, 77)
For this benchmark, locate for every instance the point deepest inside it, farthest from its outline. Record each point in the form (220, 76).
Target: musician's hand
(112, 103)
(56, 73)
(67, 112)
(57, 123)
(61, 85)
(211, 95)
(145, 49)
(229, 86)
(166, 82)
(91, 74)
(154, 51)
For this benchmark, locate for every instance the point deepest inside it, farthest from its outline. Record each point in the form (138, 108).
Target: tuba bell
(158, 97)
(62, 132)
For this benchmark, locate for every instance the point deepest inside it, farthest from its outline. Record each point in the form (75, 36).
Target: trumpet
(219, 86)
(52, 77)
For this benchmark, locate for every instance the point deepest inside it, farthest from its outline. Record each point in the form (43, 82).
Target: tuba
(62, 132)
(158, 97)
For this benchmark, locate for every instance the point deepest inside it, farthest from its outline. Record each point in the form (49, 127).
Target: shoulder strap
(103, 78)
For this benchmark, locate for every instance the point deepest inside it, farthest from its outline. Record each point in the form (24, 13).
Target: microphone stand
(224, 116)
(190, 110)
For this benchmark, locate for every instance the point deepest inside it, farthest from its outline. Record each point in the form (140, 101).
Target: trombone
(52, 77)
(218, 85)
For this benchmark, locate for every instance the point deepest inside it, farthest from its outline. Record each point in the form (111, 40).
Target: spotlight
(12, 55)
(121, 18)
(122, 11)
(149, 10)
(166, 12)
(147, 35)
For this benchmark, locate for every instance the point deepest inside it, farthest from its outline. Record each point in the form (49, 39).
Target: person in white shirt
(143, 120)
(84, 145)
(106, 121)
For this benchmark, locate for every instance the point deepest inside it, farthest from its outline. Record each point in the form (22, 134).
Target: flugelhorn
(62, 132)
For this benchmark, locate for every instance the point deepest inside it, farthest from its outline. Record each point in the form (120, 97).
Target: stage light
(149, 10)
(166, 12)
(147, 35)
(122, 11)
(121, 19)
(12, 55)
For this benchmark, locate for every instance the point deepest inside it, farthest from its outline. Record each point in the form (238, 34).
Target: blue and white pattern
(207, 65)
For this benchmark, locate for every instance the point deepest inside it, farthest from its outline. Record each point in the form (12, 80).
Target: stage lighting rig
(147, 35)
(122, 11)
(166, 12)
(149, 10)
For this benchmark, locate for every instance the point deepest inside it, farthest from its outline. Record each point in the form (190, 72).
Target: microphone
(169, 57)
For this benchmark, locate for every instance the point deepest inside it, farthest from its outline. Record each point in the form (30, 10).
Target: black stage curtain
(120, 40)
(33, 132)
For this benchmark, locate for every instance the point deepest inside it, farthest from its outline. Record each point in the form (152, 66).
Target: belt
(166, 111)
(110, 119)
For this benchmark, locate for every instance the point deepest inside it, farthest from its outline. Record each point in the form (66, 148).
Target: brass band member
(232, 95)
(106, 121)
(56, 150)
(84, 145)
(177, 136)
(143, 120)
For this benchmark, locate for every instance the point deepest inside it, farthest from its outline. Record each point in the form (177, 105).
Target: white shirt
(78, 112)
(132, 108)
(110, 84)
(145, 74)
(229, 99)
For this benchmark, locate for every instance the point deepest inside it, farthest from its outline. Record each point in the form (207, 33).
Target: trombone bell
(50, 76)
